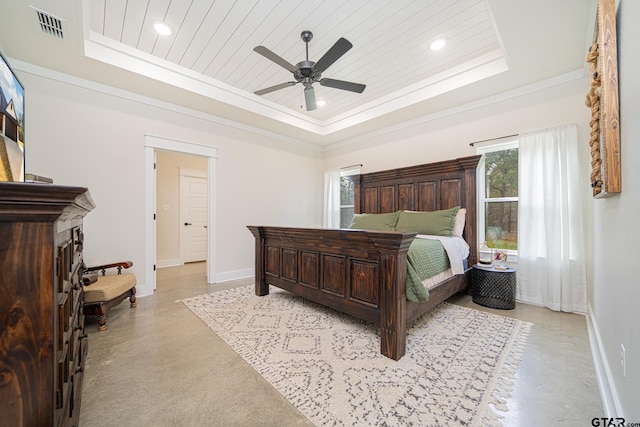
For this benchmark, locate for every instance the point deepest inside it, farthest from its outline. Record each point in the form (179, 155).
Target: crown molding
(503, 96)
(109, 51)
(130, 96)
(104, 49)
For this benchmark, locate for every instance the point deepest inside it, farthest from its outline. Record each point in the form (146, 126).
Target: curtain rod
(352, 166)
(493, 139)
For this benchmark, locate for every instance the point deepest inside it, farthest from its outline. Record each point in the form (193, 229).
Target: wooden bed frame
(363, 273)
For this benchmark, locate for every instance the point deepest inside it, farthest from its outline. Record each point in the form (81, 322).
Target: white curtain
(331, 217)
(551, 254)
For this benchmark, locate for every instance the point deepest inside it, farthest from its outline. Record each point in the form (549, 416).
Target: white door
(193, 196)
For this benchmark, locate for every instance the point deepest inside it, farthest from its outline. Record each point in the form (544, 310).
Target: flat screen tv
(11, 124)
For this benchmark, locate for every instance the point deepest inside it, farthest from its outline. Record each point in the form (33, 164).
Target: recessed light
(162, 28)
(321, 103)
(438, 44)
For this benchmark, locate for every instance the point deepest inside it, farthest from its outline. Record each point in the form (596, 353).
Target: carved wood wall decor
(602, 99)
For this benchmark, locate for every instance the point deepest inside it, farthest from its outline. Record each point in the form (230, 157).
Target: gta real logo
(608, 422)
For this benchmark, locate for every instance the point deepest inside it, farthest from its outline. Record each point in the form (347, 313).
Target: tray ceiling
(213, 41)
(496, 50)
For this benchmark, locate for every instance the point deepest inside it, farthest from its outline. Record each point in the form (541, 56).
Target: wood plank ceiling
(390, 40)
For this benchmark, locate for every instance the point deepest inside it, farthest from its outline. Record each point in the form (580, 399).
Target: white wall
(80, 136)
(168, 203)
(616, 299)
(449, 137)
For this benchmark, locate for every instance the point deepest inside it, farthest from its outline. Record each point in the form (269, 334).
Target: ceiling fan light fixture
(310, 98)
(438, 44)
(309, 72)
(162, 28)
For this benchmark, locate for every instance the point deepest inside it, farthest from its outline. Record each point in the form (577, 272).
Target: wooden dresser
(43, 345)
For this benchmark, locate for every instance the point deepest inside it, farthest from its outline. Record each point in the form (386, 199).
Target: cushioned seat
(109, 287)
(102, 292)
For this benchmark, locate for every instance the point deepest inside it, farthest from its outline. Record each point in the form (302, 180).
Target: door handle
(188, 223)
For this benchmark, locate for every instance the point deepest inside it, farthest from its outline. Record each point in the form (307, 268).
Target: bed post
(470, 164)
(262, 288)
(357, 207)
(393, 295)
(393, 306)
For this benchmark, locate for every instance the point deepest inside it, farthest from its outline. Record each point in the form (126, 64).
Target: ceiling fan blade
(337, 50)
(310, 98)
(274, 88)
(275, 58)
(341, 84)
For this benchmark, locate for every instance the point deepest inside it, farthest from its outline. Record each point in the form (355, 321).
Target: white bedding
(457, 250)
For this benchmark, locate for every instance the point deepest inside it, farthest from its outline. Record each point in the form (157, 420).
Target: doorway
(153, 144)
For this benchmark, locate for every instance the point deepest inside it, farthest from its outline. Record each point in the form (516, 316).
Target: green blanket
(426, 258)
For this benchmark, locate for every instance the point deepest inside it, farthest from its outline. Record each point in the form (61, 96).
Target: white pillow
(458, 227)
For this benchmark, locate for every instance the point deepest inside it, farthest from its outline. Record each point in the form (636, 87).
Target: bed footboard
(360, 273)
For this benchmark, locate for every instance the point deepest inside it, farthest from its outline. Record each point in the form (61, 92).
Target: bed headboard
(434, 186)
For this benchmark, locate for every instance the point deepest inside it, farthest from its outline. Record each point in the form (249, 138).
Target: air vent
(49, 24)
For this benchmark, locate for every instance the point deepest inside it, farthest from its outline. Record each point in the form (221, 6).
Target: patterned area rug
(459, 366)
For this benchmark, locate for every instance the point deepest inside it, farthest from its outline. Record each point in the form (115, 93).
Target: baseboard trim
(168, 263)
(610, 400)
(143, 291)
(233, 275)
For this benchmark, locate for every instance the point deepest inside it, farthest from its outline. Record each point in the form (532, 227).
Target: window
(347, 196)
(498, 196)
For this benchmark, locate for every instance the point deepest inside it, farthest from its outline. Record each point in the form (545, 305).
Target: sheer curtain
(551, 255)
(331, 217)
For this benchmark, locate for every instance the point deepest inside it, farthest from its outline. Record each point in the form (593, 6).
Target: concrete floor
(159, 365)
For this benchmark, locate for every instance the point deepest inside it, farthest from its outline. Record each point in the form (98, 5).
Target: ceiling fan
(309, 72)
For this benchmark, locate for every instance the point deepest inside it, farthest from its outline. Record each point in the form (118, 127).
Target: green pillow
(384, 222)
(436, 223)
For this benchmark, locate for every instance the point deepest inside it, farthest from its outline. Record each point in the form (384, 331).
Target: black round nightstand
(493, 288)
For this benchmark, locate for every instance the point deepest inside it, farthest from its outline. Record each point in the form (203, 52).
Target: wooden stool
(102, 292)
